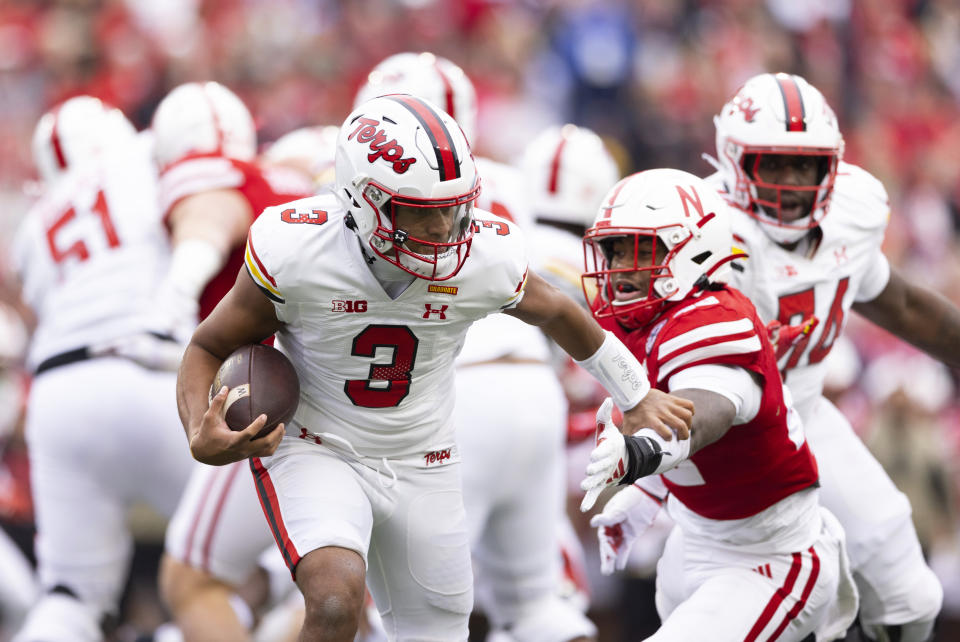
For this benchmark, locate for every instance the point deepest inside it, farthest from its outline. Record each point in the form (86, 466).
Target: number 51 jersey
(373, 370)
(90, 251)
(846, 265)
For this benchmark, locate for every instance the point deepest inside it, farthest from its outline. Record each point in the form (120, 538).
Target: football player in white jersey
(752, 555)
(98, 424)
(515, 514)
(212, 187)
(812, 226)
(370, 291)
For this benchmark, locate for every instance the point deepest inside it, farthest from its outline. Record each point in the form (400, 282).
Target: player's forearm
(919, 316)
(196, 373)
(715, 415)
(560, 318)
(934, 327)
(575, 331)
(649, 454)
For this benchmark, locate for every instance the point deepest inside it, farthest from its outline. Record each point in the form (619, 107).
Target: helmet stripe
(217, 128)
(55, 141)
(553, 185)
(448, 162)
(792, 103)
(447, 91)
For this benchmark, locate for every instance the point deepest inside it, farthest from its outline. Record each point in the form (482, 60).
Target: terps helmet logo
(368, 131)
(745, 105)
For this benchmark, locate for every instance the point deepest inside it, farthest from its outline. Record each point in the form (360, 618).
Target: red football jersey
(263, 187)
(756, 464)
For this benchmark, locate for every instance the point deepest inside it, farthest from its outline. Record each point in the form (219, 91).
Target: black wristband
(643, 458)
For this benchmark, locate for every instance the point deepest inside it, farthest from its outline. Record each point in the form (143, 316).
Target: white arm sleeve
(875, 278)
(733, 382)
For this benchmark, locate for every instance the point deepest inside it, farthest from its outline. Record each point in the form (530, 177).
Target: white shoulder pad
(195, 175)
(859, 199)
(498, 258)
(274, 252)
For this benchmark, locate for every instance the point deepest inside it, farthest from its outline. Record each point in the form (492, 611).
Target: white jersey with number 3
(89, 251)
(845, 267)
(375, 371)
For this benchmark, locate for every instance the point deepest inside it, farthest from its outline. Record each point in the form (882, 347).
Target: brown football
(261, 381)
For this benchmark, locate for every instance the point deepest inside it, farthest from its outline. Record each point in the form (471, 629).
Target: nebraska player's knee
(61, 618)
(332, 582)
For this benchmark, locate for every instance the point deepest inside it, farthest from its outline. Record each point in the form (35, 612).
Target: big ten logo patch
(369, 131)
(348, 306)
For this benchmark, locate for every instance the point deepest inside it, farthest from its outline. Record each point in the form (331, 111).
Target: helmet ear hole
(703, 256)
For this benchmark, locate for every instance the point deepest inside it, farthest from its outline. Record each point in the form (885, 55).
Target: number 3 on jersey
(79, 248)
(797, 307)
(387, 383)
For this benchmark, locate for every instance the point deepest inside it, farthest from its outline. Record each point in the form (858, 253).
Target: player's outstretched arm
(605, 357)
(243, 316)
(918, 315)
(619, 459)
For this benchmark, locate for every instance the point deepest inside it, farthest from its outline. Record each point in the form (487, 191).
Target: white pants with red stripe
(405, 517)
(511, 425)
(102, 435)
(896, 585)
(219, 526)
(708, 590)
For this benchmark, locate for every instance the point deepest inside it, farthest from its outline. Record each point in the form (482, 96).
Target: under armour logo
(442, 311)
(841, 255)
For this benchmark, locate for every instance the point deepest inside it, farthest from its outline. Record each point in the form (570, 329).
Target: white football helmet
(430, 77)
(568, 170)
(309, 149)
(401, 150)
(202, 118)
(777, 114)
(678, 212)
(76, 131)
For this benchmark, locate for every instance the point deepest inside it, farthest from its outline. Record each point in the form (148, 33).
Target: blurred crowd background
(648, 75)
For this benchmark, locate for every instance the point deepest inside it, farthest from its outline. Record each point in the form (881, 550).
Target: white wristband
(619, 371)
(673, 451)
(193, 263)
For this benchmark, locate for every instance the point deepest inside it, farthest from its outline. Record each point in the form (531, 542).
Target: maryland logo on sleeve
(259, 274)
(518, 293)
